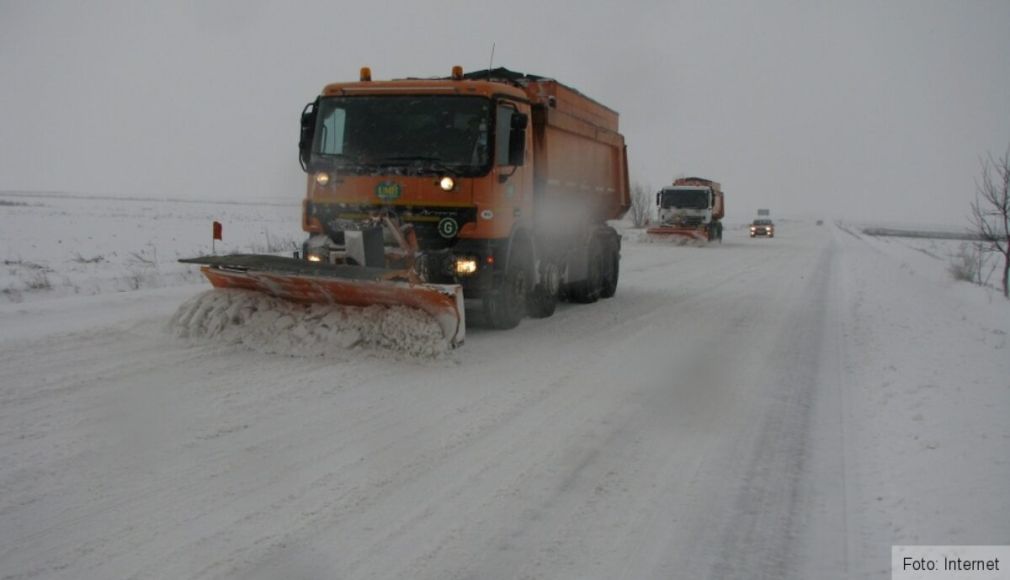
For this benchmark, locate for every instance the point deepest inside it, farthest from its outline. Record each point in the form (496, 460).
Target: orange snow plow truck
(692, 208)
(485, 192)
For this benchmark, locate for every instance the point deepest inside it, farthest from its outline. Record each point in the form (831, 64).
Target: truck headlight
(465, 266)
(447, 183)
(322, 178)
(314, 258)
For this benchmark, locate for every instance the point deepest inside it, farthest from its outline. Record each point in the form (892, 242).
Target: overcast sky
(876, 110)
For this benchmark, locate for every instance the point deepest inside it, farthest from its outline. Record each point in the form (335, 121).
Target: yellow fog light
(465, 266)
(447, 183)
(322, 178)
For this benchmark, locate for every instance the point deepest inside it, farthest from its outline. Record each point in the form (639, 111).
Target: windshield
(762, 222)
(685, 198)
(427, 133)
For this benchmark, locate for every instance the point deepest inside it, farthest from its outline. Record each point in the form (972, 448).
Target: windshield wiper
(337, 162)
(341, 156)
(433, 162)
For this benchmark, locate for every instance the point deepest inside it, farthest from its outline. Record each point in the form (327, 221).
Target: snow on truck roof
(521, 79)
(538, 90)
(697, 182)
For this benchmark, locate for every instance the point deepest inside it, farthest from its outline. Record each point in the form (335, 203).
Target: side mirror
(517, 139)
(519, 121)
(659, 196)
(308, 133)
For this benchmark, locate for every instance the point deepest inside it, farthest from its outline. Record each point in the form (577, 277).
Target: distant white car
(762, 227)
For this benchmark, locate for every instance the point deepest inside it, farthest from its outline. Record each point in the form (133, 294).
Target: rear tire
(540, 303)
(588, 290)
(611, 273)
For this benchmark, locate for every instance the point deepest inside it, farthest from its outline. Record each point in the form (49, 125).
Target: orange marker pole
(216, 236)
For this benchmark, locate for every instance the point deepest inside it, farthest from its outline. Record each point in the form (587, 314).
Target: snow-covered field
(784, 408)
(58, 245)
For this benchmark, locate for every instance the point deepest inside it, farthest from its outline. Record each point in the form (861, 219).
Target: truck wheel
(588, 291)
(507, 307)
(610, 273)
(718, 232)
(542, 300)
(540, 303)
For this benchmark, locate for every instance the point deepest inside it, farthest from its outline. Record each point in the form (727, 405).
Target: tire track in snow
(760, 541)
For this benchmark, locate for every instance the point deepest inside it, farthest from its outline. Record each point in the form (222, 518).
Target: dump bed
(579, 157)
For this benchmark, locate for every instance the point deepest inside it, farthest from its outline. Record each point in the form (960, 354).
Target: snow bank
(271, 325)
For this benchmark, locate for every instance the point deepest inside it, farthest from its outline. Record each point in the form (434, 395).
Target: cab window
(503, 128)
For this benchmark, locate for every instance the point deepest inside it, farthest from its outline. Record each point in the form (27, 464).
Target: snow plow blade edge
(661, 232)
(316, 283)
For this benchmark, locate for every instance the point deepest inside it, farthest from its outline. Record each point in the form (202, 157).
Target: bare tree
(990, 212)
(641, 205)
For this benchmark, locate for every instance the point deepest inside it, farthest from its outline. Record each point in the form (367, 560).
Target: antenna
(490, 63)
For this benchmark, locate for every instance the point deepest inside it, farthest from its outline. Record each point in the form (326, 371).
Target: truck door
(513, 176)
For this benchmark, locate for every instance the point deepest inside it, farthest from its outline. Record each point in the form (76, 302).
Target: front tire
(507, 307)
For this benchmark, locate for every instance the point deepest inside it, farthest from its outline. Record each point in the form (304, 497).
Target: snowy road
(705, 423)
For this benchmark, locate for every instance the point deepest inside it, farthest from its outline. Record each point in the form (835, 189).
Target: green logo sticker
(388, 191)
(448, 228)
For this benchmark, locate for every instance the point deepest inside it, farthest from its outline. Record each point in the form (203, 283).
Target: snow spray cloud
(271, 325)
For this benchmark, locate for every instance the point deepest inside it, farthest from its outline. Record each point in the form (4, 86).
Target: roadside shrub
(39, 281)
(82, 260)
(274, 245)
(966, 265)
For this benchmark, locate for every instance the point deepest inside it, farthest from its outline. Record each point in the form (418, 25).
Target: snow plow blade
(317, 283)
(666, 233)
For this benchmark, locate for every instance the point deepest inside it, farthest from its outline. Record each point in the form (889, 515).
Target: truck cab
(692, 207)
(689, 206)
